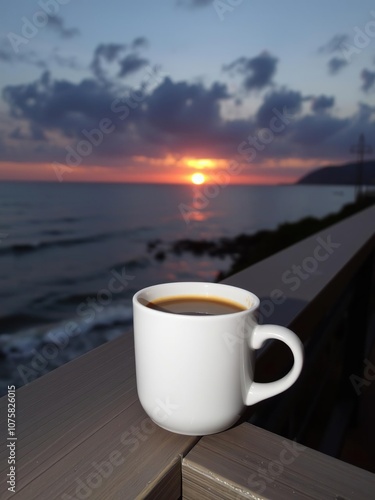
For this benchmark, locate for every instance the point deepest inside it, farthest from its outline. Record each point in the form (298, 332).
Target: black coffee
(195, 305)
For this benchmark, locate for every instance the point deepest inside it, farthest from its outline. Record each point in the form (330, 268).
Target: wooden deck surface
(248, 462)
(81, 431)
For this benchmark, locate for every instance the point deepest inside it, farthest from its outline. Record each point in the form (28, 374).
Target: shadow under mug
(195, 373)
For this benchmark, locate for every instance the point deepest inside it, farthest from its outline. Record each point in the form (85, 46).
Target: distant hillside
(344, 174)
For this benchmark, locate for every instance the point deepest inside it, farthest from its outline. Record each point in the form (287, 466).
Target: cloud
(335, 44)
(315, 129)
(366, 111)
(107, 53)
(140, 42)
(130, 64)
(57, 24)
(17, 134)
(322, 103)
(64, 61)
(60, 105)
(282, 99)
(257, 71)
(170, 117)
(30, 57)
(184, 106)
(175, 116)
(335, 64)
(35, 134)
(7, 55)
(368, 79)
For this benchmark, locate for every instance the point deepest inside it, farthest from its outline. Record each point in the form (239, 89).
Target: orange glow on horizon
(200, 163)
(168, 170)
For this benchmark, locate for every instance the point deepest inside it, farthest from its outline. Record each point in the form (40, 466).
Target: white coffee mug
(195, 373)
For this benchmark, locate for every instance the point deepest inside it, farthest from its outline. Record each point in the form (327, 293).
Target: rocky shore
(247, 249)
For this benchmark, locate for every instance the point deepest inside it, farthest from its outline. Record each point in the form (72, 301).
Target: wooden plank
(313, 294)
(170, 482)
(249, 462)
(83, 422)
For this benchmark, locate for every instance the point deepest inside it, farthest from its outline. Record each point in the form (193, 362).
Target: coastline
(247, 249)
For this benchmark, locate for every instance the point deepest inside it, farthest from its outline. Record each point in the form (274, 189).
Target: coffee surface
(196, 305)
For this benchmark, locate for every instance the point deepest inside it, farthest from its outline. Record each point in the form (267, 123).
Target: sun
(198, 178)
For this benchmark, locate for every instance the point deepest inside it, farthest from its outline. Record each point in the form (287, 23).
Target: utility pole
(361, 148)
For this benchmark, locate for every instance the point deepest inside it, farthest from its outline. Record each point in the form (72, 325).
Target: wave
(30, 353)
(33, 246)
(54, 232)
(18, 320)
(136, 263)
(23, 248)
(76, 299)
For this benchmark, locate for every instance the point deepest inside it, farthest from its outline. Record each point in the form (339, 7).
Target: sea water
(72, 255)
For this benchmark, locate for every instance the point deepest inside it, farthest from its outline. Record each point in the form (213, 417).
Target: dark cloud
(130, 64)
(105, 52)
(368, 79)
(17, 134)
(335, 44)
(65, 61)
(335, 64)
(140, 42)
(312, 130)
(322, 103)
(257, 71)
(114, 53)
(7, 55)
(185, 107)
(175, 116)
(30, 57)
(365, 111)
(35, 134)
(57, 24)
(282, 100)
(109, 51)
(61, 105)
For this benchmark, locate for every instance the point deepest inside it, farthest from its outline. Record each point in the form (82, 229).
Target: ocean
(73, 255)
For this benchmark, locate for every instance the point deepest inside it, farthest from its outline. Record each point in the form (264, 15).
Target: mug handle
(260, 391)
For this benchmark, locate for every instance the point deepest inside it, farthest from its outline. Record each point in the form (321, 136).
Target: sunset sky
(258, 90)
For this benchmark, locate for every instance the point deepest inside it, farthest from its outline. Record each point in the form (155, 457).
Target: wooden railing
(82, 433)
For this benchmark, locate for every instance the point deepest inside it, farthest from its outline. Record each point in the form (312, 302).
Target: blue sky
(220, 67)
